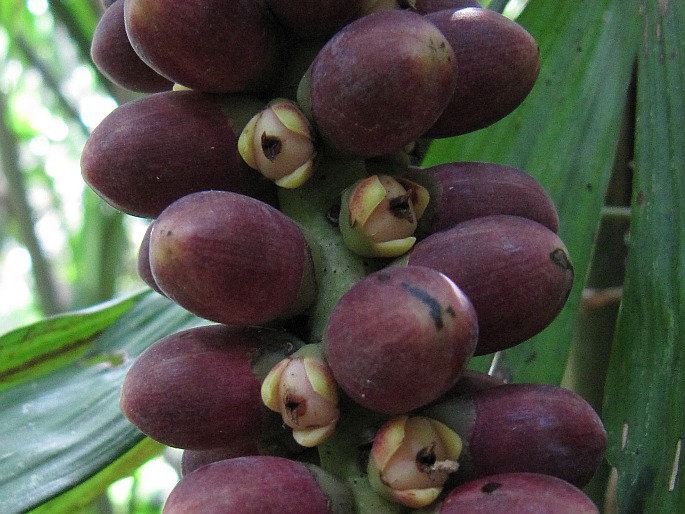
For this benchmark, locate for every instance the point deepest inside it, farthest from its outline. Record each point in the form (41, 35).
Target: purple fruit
(400, 338)
(259, 485)
(231, 259)
(143, 265)
(200, 388)
(472, 381)
(380, 83)
(518, 493)
(467, 190)
(313, 19)
(535, 428)
(498, 63)
(152, 151)
(113, 55)
(516, 272)
(208, 45)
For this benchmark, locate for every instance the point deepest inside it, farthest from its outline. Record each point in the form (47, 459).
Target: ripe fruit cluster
(276, 151)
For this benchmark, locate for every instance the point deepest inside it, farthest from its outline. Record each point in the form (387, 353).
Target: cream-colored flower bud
(379, 215)
(304, 392)
(412, 458)
(279, 143)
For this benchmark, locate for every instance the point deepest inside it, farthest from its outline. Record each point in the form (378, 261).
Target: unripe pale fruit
(517, 493)
(516, 272)
(313, 19)
(536, 428)
(207, 45)
(231, 259)
(400, 338)
(149, 152)
(259, 485)
(498, 63)
(112, 53)
(467, 190)
(199, 388)
(379, 83)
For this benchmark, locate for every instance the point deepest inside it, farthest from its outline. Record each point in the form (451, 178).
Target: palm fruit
(536, 428)
(499, 62)
(260, 485)
(199, 388)
(462, 191)
(517, 493)
(207, 45)
(113, 55)
(151, 151)
(231, 259)
(400, 338)
(516, 272)
(379, 83)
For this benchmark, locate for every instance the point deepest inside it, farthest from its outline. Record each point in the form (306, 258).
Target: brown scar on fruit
(400, 207)
(560, 258)
(674, 469)
(434, 307)
(490, 487)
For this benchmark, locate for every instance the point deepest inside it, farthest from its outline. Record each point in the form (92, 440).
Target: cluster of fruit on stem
(276, 151)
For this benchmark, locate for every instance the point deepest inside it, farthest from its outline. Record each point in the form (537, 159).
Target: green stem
(337, 268)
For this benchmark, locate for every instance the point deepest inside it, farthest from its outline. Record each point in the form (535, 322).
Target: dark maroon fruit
(259, 485)
(467, 190)
(400, 338)
(516, 272)
(518, 493)
(498, 64)
(313, 19)
(143, 266)
(152, 151)
(379, 83)
(208, 45)
(113, 55)
(200, 388)
(535, 428)
(194, 459)
(231, 259)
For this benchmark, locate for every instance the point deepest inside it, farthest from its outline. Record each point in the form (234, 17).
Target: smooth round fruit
(400, 338)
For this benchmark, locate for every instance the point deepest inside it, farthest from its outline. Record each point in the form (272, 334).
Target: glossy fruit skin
(200, 44)
(517, 493)
(113, 55)
(231, 259)
(498, 64)
(197, 389)
(400, 338)
(313, 19)
(536, 428)
(429, 6)
(516, 272)
(380, 82)
(151, 151)
(468, 190)
(257, 485)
